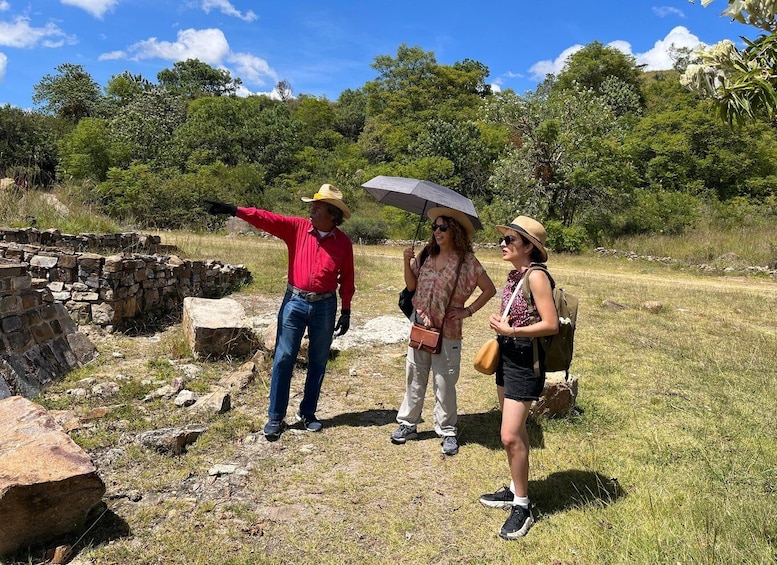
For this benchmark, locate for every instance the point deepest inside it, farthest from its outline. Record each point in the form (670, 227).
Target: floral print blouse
(433, 289)
(519, 310)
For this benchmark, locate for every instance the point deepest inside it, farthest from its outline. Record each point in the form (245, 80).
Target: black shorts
(516, 369)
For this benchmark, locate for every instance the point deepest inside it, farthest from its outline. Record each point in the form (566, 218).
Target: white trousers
(445, 367)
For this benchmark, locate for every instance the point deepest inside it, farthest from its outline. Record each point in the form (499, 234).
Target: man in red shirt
(320, 261)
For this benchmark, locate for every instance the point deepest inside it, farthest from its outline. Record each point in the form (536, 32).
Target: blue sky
(325, 47)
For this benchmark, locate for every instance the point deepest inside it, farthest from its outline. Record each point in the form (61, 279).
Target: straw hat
(331, 195)
(460, 217)
(530, 229)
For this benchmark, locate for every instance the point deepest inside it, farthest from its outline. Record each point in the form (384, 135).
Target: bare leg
(515, 438)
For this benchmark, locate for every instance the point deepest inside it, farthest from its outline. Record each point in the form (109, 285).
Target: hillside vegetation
(600, 151)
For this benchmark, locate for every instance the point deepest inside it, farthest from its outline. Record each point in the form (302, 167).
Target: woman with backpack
(517, 382)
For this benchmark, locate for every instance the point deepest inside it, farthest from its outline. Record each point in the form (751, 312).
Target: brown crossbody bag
(427, 338)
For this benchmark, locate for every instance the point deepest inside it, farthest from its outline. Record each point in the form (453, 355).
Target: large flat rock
(217, 328)
(47, 483)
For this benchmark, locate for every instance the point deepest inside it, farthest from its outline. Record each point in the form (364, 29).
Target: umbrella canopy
(418, 196)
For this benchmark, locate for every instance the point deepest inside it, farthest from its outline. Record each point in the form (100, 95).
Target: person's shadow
(574, 488)
(366, 418)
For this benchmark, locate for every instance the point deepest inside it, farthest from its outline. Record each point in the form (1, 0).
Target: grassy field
(671, 457)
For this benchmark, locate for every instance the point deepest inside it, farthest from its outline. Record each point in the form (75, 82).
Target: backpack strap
(527, 296)
(533, 308)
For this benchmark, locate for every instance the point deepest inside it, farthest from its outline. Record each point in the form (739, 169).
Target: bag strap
(506, 313)
(527, 289)
(450, 297)
(535, 341)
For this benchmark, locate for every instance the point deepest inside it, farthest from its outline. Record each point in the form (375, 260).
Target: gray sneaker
(450, 446)
(403, 433)
(310, 423)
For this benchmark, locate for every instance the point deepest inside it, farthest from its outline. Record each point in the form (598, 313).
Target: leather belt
(309, 296)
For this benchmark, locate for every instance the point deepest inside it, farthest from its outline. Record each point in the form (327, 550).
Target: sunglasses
(508, 239)
(442, 227)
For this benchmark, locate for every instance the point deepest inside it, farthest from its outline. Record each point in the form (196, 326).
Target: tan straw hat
(331, 195)
(531, 229)
(460, 217)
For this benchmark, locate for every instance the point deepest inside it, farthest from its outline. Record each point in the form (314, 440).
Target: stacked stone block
(129, 242)
(111, 290)
(38, 340)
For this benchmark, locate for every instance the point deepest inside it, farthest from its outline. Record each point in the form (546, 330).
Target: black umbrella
(418, 196)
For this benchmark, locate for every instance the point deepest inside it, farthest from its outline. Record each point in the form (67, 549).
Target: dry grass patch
(669, 459)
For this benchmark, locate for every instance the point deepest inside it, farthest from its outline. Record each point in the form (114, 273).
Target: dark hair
(335, 213)
(461, 242)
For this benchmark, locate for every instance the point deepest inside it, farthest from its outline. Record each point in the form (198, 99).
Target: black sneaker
(273, 429)
(403, 433)
(518, 524)
(310, 423)
(503, 498)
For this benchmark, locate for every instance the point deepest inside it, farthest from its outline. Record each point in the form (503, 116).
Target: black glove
(220, 208)
(343, 323)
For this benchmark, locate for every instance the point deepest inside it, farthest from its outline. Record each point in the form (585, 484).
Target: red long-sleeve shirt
(315, 264)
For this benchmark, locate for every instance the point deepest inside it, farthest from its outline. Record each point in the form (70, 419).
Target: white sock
(512, 486)
(521, 501)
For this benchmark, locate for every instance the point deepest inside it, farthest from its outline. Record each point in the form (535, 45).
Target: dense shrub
(666, 212)
(365, 229)
(564, 239)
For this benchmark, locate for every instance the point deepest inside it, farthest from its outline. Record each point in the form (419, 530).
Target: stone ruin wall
(112, 290)
(50, 281)
(39, 342)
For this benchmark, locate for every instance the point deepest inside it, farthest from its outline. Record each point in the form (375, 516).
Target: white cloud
(4, 6)
(658, 59)
(251, 68)
(3, 66)
(208, 45)
(19, 33)
(97, 8)
(541, 68)
(664, 11)
(655, 59)
(112, 56)
(226, 8)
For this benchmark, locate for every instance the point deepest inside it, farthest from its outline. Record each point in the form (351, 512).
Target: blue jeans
(295, 315)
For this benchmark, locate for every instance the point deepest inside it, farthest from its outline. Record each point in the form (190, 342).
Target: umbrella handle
(418, 227)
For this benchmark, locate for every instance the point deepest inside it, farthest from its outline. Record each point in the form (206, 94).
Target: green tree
(351, 113)
(142, 131)
(71, 94)
(594, 66)
(28, 144)
(565, 161)
(742, 83)
(194, 79)
(460, 143)
(682, 147)
(85, 152)
(410, 97)
(231, 130)
(125, 87)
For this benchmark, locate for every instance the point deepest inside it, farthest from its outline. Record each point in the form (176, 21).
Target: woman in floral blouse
(450, 263)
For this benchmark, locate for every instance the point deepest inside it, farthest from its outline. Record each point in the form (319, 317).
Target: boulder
(48, 484)
(558, 397)
(217, 328)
